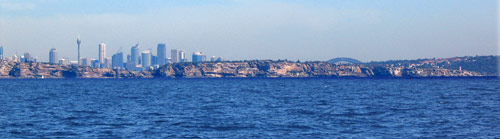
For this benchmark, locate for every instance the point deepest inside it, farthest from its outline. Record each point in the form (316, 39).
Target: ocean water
(250, 108)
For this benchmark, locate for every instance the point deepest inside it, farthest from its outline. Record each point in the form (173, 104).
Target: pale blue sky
(258, 29)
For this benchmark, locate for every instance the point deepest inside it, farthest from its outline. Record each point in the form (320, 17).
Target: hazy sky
(254, 29)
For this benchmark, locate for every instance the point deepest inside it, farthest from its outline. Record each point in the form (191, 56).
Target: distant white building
(64, 61)
(102, 54)
(182, 56)
(146, 59)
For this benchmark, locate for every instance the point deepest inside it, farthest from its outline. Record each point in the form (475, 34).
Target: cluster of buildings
(22, 58)
(135, 61)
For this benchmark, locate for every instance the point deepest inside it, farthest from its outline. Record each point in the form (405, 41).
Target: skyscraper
(199, 57)
(102, 54)
(27, 57)
(162, 54)
(107, 62)
(53, 56)
(182, 56)
(95, 63)
(85, 61)
(154, 60)
(135, 55)
(174, 55)
(78, 41)
(1, 52)
(146, 59)
(117, 60)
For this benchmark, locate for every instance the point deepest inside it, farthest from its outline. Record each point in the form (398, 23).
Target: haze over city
(238, 30)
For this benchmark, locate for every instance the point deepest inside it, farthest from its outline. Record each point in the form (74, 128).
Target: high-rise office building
(182, 56)
(154, 60)
(146, 59)
(21, 59)
(117, 61)
(27, 57)
(53, 56)
(95, 63)
(107, 62)
(199, 57)
(174, 55)
(85, 61)
(162, 54)
(1, 52)
(102, 54)
(135, 55)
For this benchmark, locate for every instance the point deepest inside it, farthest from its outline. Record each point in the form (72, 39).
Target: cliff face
(258, 69)
(42, 70)
(268, 69)
(293, 69)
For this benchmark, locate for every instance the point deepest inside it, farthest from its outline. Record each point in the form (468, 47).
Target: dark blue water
(250, 108)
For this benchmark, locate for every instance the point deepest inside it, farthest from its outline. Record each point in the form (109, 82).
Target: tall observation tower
(78, 41)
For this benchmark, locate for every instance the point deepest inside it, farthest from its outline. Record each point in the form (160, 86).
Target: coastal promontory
(239, 69)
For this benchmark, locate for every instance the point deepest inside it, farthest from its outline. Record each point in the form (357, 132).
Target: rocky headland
(242, 69)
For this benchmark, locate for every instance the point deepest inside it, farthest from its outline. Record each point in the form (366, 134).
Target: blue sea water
(250, 108)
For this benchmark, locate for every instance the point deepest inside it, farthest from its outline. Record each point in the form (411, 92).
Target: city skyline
(238, 30)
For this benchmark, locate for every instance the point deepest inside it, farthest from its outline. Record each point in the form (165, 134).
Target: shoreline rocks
(245, 69)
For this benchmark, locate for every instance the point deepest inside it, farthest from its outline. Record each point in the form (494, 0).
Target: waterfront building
(162, 54)
(146, 59)
(174, 55)
(182, 56)
(135, 55)
(27, 57)
(102, 54)
(199, 57)
(53, 56)
(117, 60)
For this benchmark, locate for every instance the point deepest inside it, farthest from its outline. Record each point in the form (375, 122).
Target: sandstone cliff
(294, 69)
(10, 69)
(265, 69)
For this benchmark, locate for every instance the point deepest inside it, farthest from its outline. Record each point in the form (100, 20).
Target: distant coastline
(479, 66)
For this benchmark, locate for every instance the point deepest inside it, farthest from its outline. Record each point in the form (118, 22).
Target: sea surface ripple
(250, 108)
